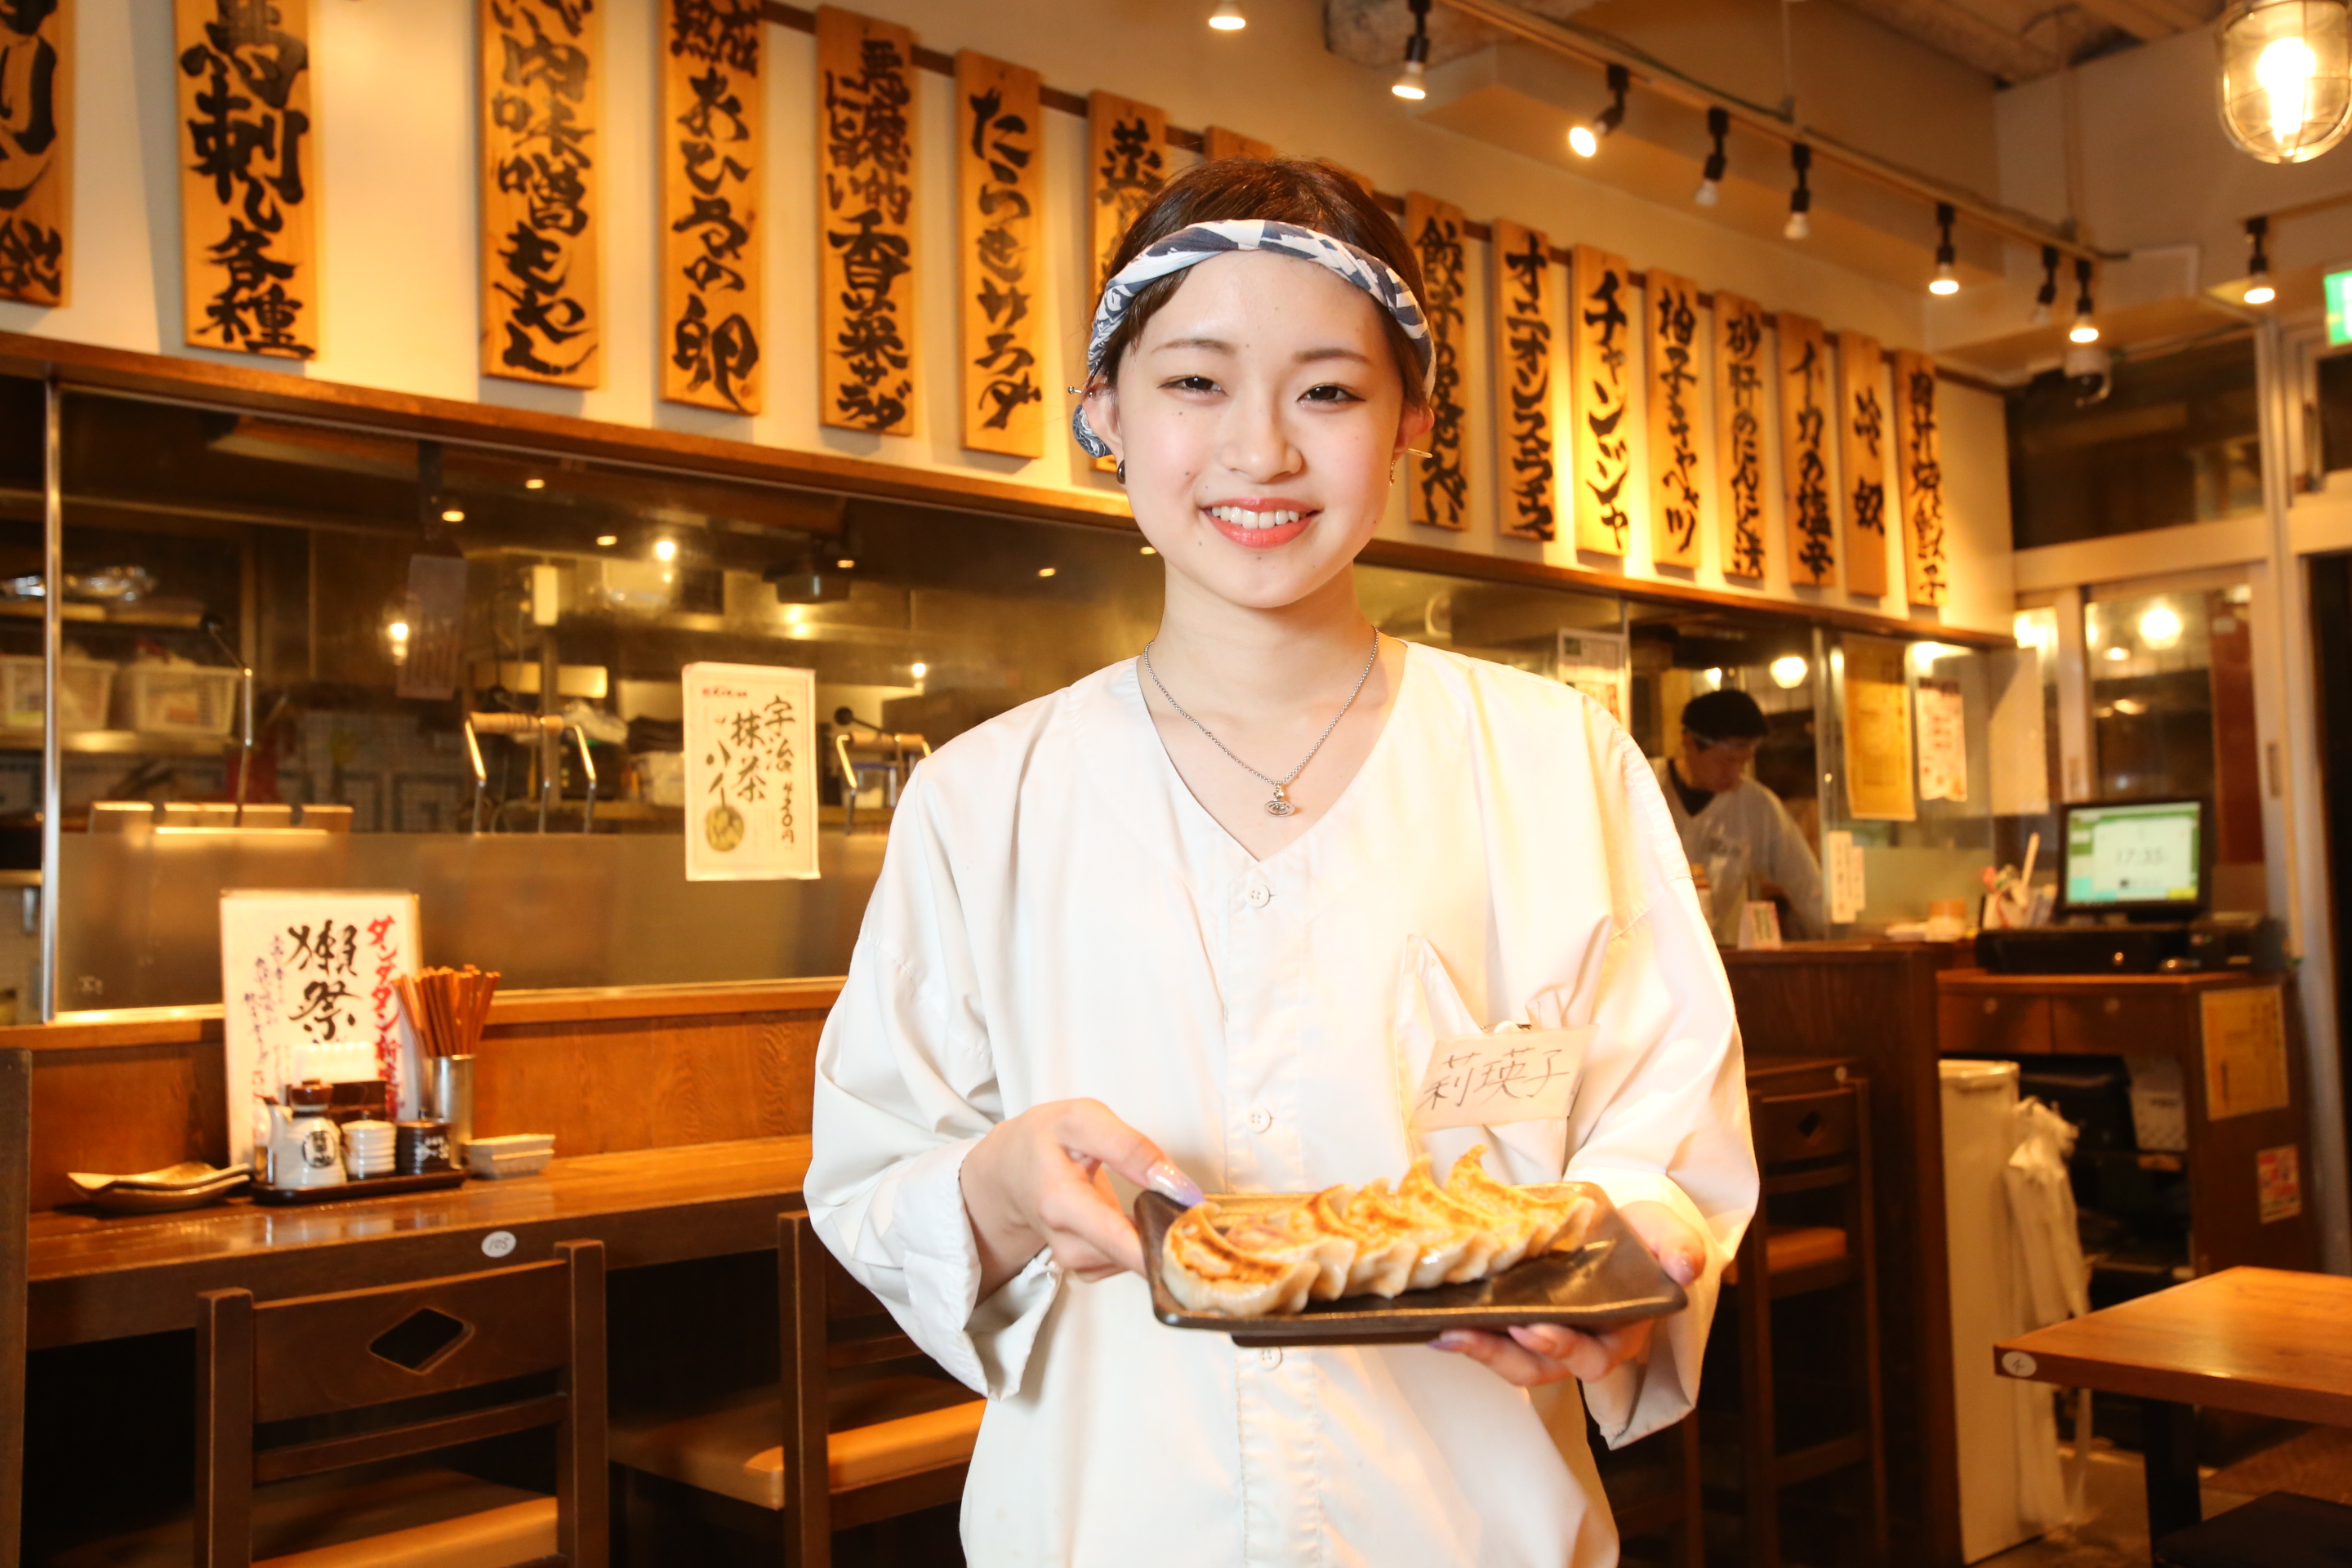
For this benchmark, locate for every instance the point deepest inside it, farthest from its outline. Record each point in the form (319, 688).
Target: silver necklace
(1280, 805)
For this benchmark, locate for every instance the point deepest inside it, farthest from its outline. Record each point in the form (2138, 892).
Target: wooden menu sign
(248, 167)
(1862, 426)
(999, 180)
(1527, 380)
(1674, 419)
(866, 140)
(36, 151)
(1438, 489)
(1804, 451)
(1127, 163)
(1919, 456)
(1219, 142)
(1739, 431)
(713, 151)
(1603, 330)
(543, 304)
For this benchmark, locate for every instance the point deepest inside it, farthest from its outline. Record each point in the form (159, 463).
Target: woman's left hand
(1538, 1353)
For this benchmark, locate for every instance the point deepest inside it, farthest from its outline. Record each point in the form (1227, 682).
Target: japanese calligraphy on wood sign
(1437, 491)
(865, 140)
(1739, 431)
(1675, 506)
(1919, 466)
(1526, 379)
(542, 310)
(999, 180)
(1804, 451)
(1601, 321)
(248, 162)
(1127, 163)
(1219, 142)
(1862, 428)
(36, 151)
(750, 773)
(714, 155)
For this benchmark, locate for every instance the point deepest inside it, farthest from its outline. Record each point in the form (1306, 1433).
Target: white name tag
(1491, 1080)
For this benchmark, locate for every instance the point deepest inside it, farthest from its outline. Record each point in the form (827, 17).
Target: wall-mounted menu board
(1127, 163)
(866, 255)
(542, 306)
(1000, 184)
(1438, 494)
(1804, 451)
(248, 155)
(35, 152)
(713, 153)
(1918, 455)
(1674, 359)
(1601, 326)
(1219, 142)
(1739, 431)
(1861, 424)
(1527, 378)
(1877, 731)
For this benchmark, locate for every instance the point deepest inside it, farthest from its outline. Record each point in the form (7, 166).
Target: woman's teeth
(1242, 517)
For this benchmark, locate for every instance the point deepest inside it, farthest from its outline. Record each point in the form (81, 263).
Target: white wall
(396, 130)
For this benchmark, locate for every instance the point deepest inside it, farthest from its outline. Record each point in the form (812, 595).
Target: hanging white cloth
(2056, 1281)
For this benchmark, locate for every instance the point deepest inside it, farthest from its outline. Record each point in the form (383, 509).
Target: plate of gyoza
(1398, 1265)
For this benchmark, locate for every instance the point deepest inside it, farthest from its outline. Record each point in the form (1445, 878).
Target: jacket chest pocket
(1513, 1088)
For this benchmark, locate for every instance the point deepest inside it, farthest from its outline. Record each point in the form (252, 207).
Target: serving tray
(371, 1187)
(1609, 1281)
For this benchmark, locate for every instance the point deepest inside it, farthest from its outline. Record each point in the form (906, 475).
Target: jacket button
(1260, 1119)
(1269, 1356)
(1258, 897)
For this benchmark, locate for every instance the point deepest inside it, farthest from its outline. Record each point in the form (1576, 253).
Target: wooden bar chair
(1653, 1490)
(290, 1392)
(1813, 1152)
(16, 1212)
(854, 1433)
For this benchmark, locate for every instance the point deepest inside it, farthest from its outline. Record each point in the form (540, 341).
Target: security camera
(2089, 374)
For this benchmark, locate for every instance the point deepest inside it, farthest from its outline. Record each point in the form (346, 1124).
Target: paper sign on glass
(750, 773)
(1512, 1075)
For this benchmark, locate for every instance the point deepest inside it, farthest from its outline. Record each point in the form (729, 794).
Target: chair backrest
(375, 1350)
(15, 1207)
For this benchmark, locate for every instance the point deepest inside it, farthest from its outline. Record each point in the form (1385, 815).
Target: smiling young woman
(1196, 914)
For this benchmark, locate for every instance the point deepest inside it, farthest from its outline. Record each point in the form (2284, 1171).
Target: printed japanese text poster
(750, 773)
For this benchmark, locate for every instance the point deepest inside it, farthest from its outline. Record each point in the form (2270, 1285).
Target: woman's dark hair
(1310, 193)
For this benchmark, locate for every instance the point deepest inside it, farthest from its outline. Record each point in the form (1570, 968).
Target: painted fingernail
(1451, 1340)
(1170, 1183)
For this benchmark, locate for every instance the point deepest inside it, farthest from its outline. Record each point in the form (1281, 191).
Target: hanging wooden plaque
(1438, 489)
(999, 180)
(248, 176)
(1804, 451)
(1127, 163)
(1862, 426)
(1674, 357)
(1602, 328)
(867, 279)
(1528, 378)
(1219, 142)
(1919, 467)
(1739, 431)
(35, 152)
(713, 149)
(543, 304)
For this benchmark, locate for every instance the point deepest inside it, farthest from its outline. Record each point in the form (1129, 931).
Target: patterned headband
(1200, 242)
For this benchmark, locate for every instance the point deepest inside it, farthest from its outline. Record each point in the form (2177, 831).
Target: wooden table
(2265, 1342)
(99, 1277)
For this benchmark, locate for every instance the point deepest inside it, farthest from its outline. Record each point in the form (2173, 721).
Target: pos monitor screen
(2148, 857)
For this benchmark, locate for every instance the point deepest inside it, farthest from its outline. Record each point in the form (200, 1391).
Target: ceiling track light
(1710, 182)
(1412, 82)
(2258, 289)
(2045, 299)
(1585, 140)
(1800, 199)
(1227, 17)
(2084, 330)
(1948, 278)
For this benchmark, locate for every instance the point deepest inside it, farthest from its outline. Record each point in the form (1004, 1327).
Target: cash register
(2135, 897)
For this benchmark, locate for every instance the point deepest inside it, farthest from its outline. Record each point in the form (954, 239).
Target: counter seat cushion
(396, 1516)
(881, 1429)
(1788, 1247)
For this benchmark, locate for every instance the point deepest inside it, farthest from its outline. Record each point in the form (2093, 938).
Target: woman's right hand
(1040, 1183)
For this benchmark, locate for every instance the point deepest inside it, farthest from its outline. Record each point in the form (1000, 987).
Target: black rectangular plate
(371, 1187)
(1611, 1280)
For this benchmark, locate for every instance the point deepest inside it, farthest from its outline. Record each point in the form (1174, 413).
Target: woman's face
(1258, 413)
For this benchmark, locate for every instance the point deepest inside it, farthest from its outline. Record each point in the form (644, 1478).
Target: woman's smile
(1261, 522)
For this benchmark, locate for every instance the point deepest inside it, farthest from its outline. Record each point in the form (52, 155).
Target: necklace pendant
(1280, 805)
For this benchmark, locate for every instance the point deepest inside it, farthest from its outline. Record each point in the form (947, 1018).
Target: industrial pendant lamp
(1584, 141)
(2287, 76)
(1947, 279)
(1412, 82)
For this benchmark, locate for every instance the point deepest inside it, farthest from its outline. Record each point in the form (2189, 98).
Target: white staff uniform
(1058, 917)
(1744, 837)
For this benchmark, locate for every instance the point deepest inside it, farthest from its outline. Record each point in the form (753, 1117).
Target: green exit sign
(2338, 288)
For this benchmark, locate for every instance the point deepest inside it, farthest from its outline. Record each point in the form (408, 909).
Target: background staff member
(1734, 829)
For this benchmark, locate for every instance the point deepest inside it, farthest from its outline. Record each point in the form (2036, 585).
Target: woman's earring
(1119, 473)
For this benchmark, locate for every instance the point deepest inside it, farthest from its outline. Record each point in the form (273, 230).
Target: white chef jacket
(1058, 917)
(1745, 835)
